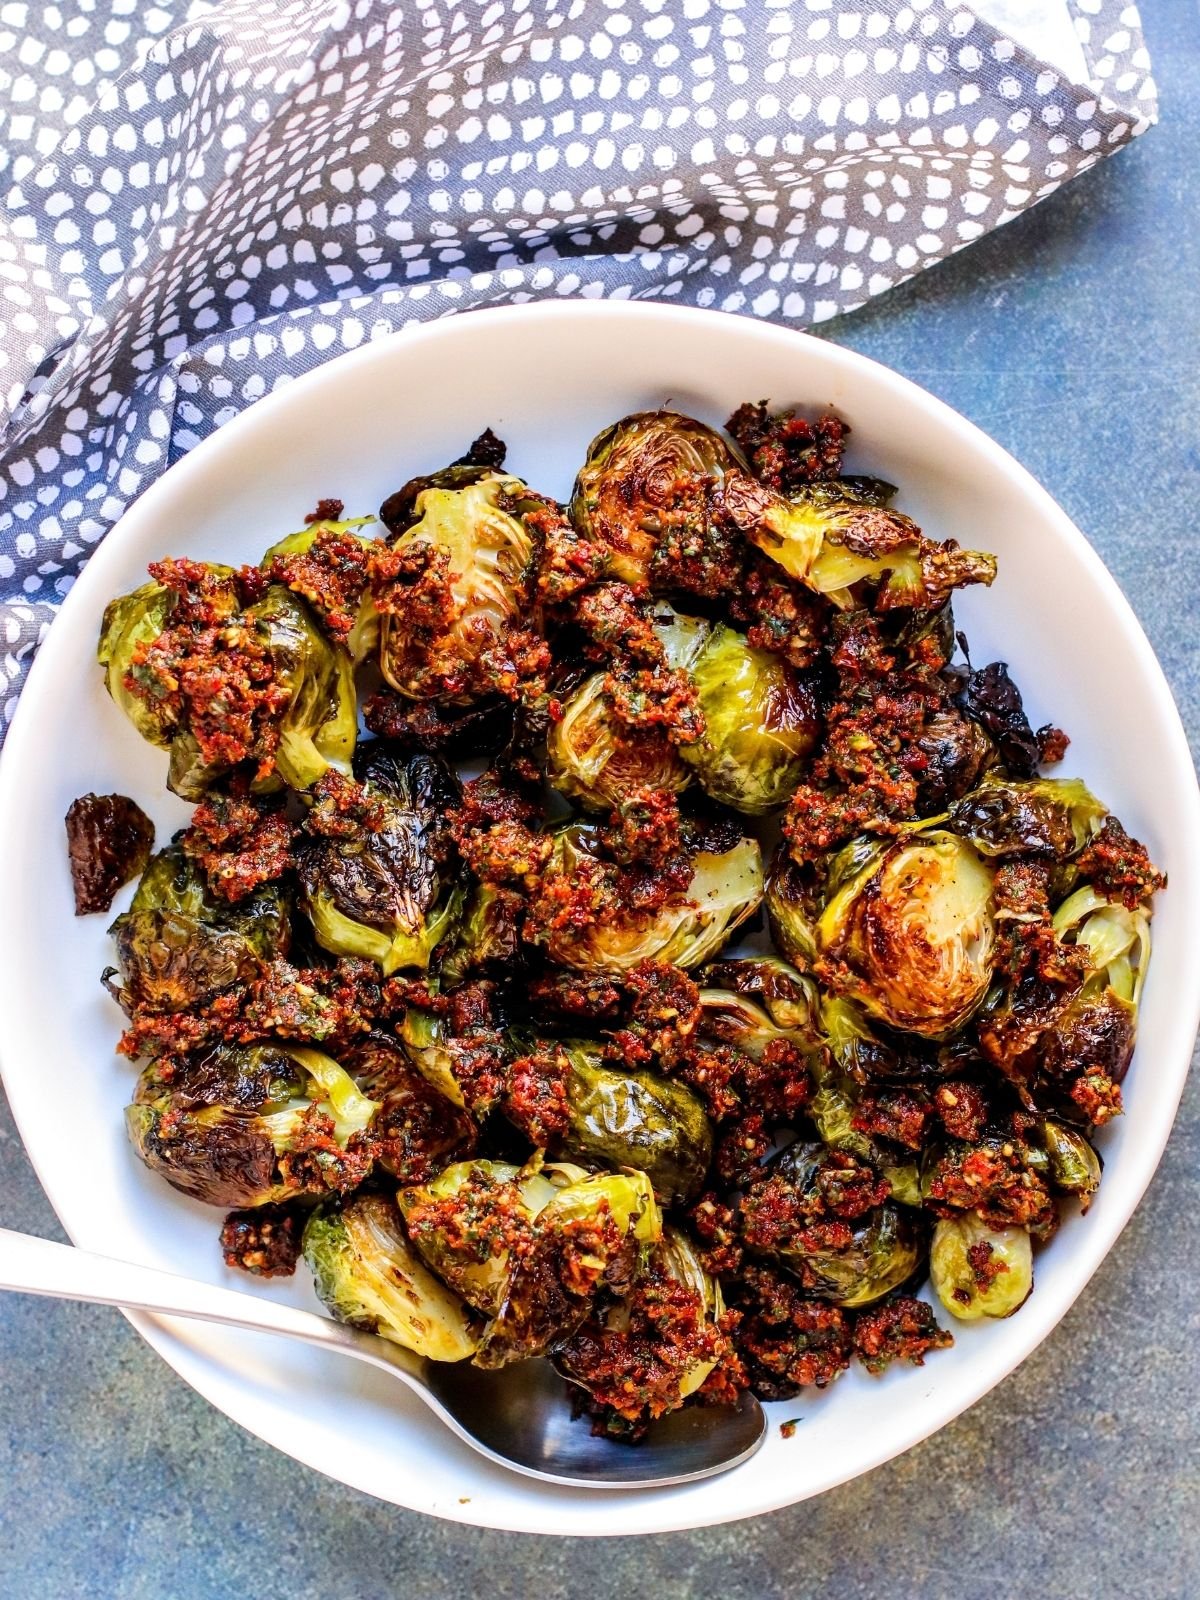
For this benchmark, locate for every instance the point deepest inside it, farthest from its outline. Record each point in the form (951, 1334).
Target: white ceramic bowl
(548, 377)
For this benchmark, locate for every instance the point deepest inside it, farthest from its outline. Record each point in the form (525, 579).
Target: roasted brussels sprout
(663, 1327)
(591, 758)
(1074, 1167)
(217, 685)
(1116, 939)
(908, 931)
(637, 1119)
(1066, 1051)
(378, 887)
(426, 1044)
(588, 1236)
(243, 1126)
(319, 723)
(980, 1271)
(131, 622)
(367, 1274)
(1046, 817)
(476, 549)
(850, 1056)
(852, 1261)
(649, 472)
(177, 946)
(467, 1221)
(725, 889)
(760, 722)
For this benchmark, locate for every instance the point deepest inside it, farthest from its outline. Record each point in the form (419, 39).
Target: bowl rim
(1038, 1318)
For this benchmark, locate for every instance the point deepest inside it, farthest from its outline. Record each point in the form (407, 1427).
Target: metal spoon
(518, 1417)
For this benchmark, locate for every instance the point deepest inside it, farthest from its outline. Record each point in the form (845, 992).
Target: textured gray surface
(1071, 336)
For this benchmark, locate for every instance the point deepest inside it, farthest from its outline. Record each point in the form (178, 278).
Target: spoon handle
(39, 1266)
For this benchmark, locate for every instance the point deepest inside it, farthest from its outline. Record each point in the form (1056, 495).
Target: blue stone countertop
(1071, 336)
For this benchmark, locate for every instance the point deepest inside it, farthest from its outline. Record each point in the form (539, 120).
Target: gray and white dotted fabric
(203, 201)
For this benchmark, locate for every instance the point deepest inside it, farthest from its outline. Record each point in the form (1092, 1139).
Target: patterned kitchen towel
(204, 201)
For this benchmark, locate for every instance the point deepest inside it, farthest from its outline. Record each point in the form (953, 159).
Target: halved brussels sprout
(980, 1271)
(790, 1009)
(725, 888)
(884, 1247)
(476, 529)
(234, 1127)
(648, 472)
(367, 1274)
(760, 722)
(319, 724)
(382, 892)
(177, 946)
(910, 933)
(1052, 817)
(590, 757)
(591, 1232)
(637, 1119)
(466, 1222)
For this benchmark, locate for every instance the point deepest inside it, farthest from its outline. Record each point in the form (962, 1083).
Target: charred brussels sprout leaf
(488, 936)
(468, 528)
(725, 889)
(248, 1126)
(380, 888)
(591, 758)
(109, 839)
(1047, 817)
(790, 998)
(760, 722)
(980, 1271)
(637, 1119)
(910, 935)
(792, 909)
(367, 1274)
(833, 535)
(650, 472)
(319, 724)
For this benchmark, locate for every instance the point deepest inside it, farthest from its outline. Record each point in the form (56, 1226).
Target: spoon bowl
(517, 1416)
